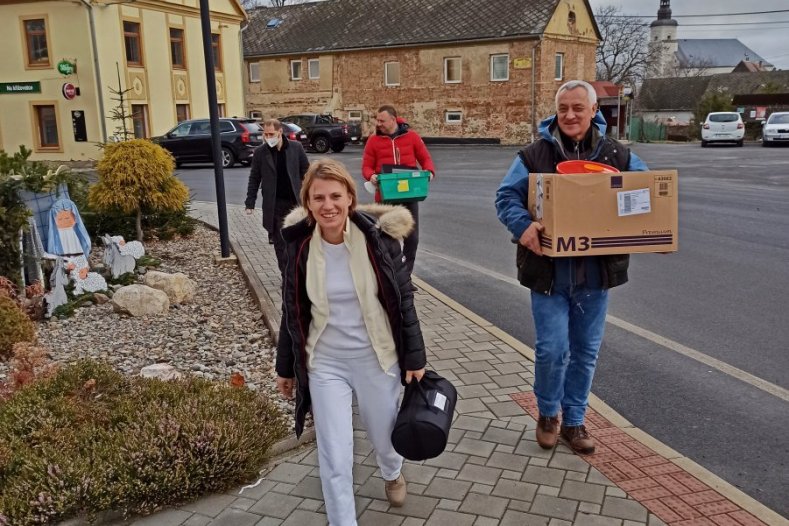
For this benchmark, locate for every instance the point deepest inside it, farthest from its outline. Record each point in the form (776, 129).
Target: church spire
(664, 13)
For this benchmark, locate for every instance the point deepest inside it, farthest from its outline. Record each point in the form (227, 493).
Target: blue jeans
(569, 324)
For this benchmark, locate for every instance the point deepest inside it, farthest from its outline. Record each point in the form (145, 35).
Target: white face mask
(273, 141)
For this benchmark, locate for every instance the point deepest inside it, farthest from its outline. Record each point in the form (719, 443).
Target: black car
(190, 141)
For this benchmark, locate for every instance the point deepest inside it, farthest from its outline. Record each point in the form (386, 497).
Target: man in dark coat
(277, 170)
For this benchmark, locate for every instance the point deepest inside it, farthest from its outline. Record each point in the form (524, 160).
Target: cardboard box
(594, 214)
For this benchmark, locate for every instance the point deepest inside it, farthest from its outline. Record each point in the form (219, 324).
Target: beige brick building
(460, 69)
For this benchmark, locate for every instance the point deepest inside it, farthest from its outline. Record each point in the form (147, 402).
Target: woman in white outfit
(349, 326)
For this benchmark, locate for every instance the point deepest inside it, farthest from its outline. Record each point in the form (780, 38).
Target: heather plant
(89, 439)
(15, 326)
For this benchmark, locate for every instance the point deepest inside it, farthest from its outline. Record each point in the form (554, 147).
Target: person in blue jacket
(569, 296)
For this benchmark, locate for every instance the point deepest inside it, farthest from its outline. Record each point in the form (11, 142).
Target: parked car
(323, 133)
(776, 129)
(190, 141)
(722, 126)
(354, 129)
(295, 133)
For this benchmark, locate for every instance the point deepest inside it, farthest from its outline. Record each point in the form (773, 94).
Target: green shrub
(90, 439)
(15, 326)
(163, 225)
(137, 177)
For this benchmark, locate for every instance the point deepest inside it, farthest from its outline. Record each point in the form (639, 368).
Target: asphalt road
(722, 295)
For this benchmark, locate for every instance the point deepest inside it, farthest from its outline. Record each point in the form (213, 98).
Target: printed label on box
(402, 185)
(633, 202)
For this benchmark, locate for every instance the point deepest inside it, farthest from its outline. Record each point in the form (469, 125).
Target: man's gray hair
(571, 85)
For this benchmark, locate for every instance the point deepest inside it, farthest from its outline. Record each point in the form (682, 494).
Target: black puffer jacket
(383, 226)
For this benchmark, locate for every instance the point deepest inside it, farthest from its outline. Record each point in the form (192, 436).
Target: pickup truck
(322, 132)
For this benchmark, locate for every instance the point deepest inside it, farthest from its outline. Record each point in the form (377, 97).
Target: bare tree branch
(624, 55)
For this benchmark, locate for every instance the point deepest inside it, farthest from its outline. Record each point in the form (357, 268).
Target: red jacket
(406, 148)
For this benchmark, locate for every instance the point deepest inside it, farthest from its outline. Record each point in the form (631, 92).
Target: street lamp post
(216, 145)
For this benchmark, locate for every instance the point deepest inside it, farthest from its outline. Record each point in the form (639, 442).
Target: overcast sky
(766, 34)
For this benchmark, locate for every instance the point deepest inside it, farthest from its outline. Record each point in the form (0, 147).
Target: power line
(707, 15)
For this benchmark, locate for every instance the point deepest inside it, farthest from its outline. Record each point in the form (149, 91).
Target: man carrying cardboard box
(569, 296)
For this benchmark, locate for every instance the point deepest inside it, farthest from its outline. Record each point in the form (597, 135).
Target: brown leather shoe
(578, 439)
(547, 431)
(396, 491)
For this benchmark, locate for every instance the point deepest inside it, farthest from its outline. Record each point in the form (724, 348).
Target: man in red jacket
(394, 143)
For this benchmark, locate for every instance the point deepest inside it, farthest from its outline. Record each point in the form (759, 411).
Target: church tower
(663, 33)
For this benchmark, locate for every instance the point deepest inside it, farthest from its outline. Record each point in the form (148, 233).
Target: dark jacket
(263, 176)
(541, 273)
(383, 231)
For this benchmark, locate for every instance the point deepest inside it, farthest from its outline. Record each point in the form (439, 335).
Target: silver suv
(722, 126)
(776, 129)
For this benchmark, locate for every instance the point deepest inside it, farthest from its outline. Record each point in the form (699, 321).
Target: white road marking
(723, 367)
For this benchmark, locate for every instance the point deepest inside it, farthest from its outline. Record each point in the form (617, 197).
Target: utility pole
(216, 145)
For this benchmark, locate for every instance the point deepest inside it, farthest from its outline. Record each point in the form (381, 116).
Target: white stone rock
(162, 371)
(178, 287)
(140, 300)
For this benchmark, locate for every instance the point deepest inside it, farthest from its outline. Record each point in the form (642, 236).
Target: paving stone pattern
(492, 473)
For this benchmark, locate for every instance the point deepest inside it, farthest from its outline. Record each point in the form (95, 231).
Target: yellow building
(61, 58)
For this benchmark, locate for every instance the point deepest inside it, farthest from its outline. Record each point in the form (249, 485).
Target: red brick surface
(664, 488)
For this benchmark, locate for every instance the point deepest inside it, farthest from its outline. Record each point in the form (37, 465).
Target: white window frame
(453, 117)
(254, 72)
(255, 114)
(386, 73)
(446, 70)
(292, 72)
(558, 63)
(492, 69)
(355, 115)
(310, 62)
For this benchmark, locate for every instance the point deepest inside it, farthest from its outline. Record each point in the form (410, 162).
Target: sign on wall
(78, 124)
(20, 87)
(521, 63)
(67, 67)
(69, 91)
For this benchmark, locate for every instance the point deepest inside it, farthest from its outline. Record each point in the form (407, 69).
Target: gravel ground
(220, 332)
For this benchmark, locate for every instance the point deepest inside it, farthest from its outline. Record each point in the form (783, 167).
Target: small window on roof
(274, 22)
(571, 18)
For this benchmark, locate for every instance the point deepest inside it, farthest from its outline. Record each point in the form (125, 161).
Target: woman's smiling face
(329, 203)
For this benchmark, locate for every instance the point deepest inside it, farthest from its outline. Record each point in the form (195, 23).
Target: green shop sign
(20, 87)
(66, 67)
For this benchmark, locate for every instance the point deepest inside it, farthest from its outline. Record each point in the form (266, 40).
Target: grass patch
(90, 439)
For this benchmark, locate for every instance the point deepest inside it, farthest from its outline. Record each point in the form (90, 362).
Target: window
(177, 48)
(392, 73)
(226, 127)
(499, 67)
(355, 115)
(216, 48)
(181, 112)
(256, 115)
(254, 72)
(182, 130)
(558, 71)
(452, 70)
(36, 41)
(132, 38)
(46, 127)
(140, 120)
(295, 70)
(314, 68)
(221, 109)
(453, 117)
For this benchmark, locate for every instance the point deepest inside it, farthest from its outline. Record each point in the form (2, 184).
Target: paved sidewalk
(493, 471)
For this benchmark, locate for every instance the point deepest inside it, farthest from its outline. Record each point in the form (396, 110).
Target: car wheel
(703, 143)
(228, 159)
(321, 144)
(337, 148)
(739, 143)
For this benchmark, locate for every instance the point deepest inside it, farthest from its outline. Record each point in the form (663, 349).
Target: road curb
(744, 501)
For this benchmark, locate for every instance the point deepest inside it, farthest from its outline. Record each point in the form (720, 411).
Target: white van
(722, 126)
(776, 129)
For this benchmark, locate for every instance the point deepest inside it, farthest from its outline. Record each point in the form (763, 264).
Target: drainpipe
(99, 90)
(534, 89)
(244, 66)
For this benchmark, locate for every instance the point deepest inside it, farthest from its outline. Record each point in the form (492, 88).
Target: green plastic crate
(405, 186)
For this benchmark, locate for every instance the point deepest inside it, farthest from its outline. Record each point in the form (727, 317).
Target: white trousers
(332, 382)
